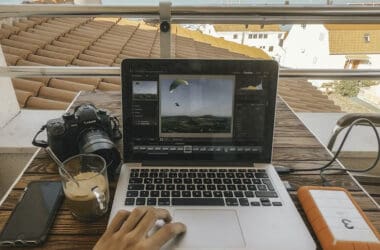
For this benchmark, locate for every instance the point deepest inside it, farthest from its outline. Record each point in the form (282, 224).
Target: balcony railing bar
(263, 14)
(48, 71)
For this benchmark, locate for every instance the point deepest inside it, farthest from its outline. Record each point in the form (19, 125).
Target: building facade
(266, 37)
(332, 46)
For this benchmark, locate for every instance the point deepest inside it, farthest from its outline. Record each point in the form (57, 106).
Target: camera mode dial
(56, 127)
(68, 116)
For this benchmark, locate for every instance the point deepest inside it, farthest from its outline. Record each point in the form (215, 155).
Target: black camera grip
(39, 143)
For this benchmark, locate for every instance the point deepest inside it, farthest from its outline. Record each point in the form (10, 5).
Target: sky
(201, 97)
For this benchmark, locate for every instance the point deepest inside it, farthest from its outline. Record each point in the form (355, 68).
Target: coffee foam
(87, 181)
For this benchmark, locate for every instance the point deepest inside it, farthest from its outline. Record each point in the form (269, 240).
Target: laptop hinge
(196, 163)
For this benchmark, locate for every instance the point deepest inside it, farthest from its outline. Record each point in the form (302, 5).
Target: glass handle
(100, 197)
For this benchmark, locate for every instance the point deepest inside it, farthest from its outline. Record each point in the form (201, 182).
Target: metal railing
(267, 14)
(261, 14)
(49, 71)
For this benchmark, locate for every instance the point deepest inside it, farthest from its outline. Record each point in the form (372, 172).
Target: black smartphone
(33, 216)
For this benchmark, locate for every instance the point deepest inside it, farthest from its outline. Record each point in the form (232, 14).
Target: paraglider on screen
(196, 106)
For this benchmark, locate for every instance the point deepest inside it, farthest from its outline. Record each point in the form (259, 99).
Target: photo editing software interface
(195, 115)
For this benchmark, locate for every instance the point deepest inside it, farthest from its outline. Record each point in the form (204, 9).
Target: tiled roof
(301, 96)
(106, 42)
(250, 27)
(350, 39)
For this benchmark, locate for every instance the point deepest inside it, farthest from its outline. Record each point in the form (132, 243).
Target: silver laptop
(198, 142)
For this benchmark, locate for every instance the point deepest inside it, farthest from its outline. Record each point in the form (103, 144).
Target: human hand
(128, 230)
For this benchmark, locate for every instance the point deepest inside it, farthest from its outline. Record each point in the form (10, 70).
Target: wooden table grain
(294, 145)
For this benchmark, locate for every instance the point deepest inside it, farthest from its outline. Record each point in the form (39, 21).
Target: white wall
(9, 106)
(308, 47)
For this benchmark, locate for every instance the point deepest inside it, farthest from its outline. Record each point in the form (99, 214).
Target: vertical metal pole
(165, 31)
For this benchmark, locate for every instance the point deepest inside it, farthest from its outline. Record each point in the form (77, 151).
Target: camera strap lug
(40, 143)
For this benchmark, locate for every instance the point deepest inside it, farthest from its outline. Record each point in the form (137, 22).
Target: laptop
(197, 141)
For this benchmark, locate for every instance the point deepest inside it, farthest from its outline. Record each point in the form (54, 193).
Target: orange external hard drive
(337, 220)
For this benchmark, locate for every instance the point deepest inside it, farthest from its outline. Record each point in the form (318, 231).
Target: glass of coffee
(85, 184)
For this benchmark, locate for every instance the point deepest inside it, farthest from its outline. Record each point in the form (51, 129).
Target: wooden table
(294, 146)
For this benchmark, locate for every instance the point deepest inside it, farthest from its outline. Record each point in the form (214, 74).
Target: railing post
(165, 29)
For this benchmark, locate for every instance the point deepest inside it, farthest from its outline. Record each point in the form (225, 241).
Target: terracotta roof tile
(109, 86)
(27, 85)
(303, 97)
(26, 22)
(47, 53)
(43, 33)
(107, 45)
(47, 60)
(80, 38)
(22, 96)
(20, 45)
(79, 62)
(99, 54)
(42, 103)
(22, 26)
(29, 40)
(15, 51)
(11, 28)
(120, 59)
(95, 59)
(22, 62)
(104, 49)
(73, 41)
(68, 45)
(110, 43)
(57, 94)
(84, 33)
(11, 59)
(38, 20)
(49, 29)
(36, 36)
(114, 80)
(58, 49)
(43, 80)
(5, 33)
(68, 85)
(86, 80)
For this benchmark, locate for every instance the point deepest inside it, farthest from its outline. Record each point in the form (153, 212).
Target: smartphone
(33, 216)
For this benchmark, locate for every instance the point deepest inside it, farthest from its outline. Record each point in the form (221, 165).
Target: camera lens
(98, 142)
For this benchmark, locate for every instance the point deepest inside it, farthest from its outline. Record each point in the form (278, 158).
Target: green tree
(351, 88)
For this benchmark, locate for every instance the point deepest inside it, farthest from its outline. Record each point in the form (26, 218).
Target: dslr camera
(86, 130)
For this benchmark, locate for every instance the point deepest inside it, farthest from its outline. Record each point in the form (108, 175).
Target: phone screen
(32, 217)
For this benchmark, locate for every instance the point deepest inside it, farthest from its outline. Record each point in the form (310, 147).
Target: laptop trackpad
(209, 228)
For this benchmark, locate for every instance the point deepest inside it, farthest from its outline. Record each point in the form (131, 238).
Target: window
(260, 36)
(367, 39)
(265, 36)
(254, 36)
(270, 48)
(235, 36)
(250, 36)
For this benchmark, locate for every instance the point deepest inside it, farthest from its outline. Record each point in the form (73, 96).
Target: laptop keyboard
(200, 187)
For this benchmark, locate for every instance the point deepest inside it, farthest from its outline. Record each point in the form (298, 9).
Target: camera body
(86, 130)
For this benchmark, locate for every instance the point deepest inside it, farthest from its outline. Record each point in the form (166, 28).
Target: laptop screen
(190, 110)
